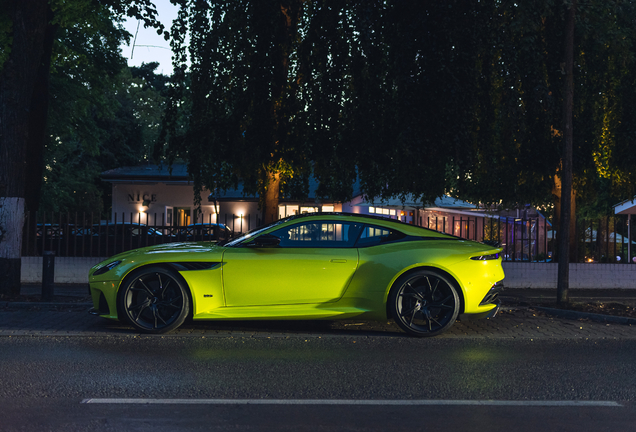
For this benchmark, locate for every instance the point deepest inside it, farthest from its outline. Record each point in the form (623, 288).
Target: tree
(27, 39)
(241, 96)
(566, 177)
(517, 134)
(342, 90)
(17, 84)
(98, 121)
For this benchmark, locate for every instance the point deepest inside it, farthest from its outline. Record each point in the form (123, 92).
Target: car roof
(373, 220)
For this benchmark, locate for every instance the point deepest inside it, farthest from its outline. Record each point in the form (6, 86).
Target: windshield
(252, 233)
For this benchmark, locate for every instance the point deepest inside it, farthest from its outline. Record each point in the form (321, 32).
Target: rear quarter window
(373, 235)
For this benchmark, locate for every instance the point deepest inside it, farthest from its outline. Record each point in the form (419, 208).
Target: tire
(154, 300)
(424, 303)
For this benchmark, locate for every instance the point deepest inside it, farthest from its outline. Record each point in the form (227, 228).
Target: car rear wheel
(154, 300)
(424, 303)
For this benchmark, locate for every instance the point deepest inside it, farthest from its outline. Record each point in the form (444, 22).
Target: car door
(313, 264)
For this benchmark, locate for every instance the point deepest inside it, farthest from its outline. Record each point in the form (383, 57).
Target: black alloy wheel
(154, 300)
(424, 303)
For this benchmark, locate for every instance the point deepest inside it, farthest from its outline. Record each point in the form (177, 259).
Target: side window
(323, 234)
(373, 235)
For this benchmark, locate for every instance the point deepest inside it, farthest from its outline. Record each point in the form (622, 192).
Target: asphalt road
(64, 370)
(319, 381)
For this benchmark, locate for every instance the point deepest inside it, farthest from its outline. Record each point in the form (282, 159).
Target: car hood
(165, 253)
(169, 249)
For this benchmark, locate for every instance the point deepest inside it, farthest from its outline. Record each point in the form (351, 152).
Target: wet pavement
(68, 315)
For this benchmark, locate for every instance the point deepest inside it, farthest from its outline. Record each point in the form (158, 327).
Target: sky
(149, 46)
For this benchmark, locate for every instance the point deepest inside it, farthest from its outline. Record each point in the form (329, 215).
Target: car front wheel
(424, 303)
(154, 300)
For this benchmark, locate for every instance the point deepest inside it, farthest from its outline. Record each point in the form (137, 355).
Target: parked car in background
(49, 237)
(107, 239)
(204, 232)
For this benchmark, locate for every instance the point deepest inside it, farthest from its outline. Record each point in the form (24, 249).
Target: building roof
(626, 207)
(179, 175)
(147, 173)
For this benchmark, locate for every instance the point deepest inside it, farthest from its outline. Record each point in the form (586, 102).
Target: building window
(304, 210)
(181, 216)
(382, 211)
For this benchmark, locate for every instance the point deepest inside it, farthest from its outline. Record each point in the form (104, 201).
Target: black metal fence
(605, 240)
(523, 239)
(86, 235)
(535, 239)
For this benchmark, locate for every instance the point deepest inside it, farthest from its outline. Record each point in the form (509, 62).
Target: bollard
(48, 275)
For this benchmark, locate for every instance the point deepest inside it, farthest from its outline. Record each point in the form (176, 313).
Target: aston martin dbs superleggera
(318, 266)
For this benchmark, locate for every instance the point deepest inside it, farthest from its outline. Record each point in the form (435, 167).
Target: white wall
(351, 207)
(544, 275)
(249, 211)
(128, 200)
(68, 270)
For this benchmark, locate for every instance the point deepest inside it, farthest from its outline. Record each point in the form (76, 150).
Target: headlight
(106, 268)
(485, 257)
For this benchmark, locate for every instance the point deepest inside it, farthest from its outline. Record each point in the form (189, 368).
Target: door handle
(338, 260)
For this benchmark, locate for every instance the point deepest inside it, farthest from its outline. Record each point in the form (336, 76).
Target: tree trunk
(556, 192)
(271, 197)
(17, 83)
(37, 120)
(566, 173)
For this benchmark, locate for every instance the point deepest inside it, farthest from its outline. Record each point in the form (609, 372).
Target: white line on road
(540, 403)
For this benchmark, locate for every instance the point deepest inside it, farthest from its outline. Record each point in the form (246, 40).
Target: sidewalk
(67, 316)
(531, 295)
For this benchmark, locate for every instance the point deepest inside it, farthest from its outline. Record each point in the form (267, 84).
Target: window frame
(327, 244)
(402, 237)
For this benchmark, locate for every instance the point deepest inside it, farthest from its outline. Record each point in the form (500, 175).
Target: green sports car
(318, 266)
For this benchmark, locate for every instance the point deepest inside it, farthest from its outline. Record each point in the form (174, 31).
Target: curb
(44, 305)
(559, 313)
(575, 315)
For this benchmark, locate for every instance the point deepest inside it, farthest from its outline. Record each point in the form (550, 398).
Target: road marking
(540, 403)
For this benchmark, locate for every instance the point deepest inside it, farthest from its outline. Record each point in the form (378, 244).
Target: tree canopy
(407, 97)
(342, 90)
(28, 32)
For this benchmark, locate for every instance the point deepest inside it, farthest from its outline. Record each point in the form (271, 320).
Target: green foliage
(605, 130)
(346, 90)
(231, 117)
(6, 27)
(100, 116)
(93, 131)
(413, 77)
(513, 150)
(515, 147)
(407, 97)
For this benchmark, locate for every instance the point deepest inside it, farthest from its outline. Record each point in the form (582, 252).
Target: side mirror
(265, 240)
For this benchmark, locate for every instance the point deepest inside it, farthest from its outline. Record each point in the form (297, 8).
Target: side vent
(187, 266)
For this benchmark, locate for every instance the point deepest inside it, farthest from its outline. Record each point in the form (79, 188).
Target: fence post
(48, 275)
(629, 239)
